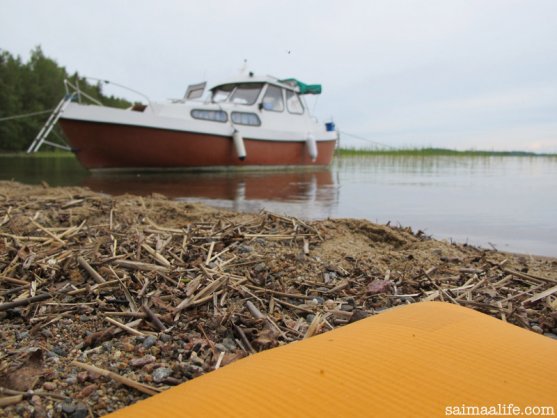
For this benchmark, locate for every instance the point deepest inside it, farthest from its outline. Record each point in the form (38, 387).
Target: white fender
(312, 147)
(239, 145)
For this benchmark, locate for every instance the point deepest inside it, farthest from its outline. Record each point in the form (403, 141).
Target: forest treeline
(34, 86)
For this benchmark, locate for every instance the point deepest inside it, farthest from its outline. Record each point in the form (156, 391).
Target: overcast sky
(447, 73)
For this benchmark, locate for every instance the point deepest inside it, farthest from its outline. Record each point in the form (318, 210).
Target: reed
(42, 154)
(437, 152)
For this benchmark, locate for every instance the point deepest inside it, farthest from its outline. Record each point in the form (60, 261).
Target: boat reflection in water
(307, 194)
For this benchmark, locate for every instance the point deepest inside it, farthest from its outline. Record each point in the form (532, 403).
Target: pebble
(245, 248)
(46, 333)
(82, 377)
(107, 345)
(196, 360)
(161, 373)
(22, 335)
(149, 341)
(537, 329)
(61, 351)
(49, 386)
(379, 286)
(330, 304)
(149, 367)
(309, 318)
(357, 315)
(68, 408)
(71, 380)
(87, 391)
(81, 411)
(333, 275)
(54, 359)
(165, 338)
(191, 371)
(229, 343)
(51, 354)
(142, 361)
(550, 335)
(127, 347)
(37, 402)
(221, 348)
(92, 376)
(259, 267)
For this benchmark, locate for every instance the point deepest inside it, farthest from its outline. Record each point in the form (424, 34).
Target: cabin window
(246, 94)
(221, 93)
(245, 118)
(293, 103)
(273, 99)
(212, 115)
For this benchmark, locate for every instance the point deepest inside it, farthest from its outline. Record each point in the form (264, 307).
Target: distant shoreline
(354, 152)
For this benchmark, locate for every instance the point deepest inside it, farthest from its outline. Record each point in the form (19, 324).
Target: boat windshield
(246, 93)
(221, 93)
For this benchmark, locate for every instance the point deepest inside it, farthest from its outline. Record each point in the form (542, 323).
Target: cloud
(406, 70)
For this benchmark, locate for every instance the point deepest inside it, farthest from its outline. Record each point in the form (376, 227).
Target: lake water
(509, 203)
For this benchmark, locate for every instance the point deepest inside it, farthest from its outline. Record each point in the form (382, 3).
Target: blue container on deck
(330, 126)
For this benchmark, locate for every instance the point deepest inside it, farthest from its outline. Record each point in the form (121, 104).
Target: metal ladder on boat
(40, 139)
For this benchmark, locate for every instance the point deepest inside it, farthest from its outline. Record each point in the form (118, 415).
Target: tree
(10, 100)
(35, 86)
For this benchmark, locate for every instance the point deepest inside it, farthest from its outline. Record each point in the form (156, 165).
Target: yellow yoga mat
(422, 360)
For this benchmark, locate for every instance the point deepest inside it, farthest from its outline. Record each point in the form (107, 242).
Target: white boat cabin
(249, 102)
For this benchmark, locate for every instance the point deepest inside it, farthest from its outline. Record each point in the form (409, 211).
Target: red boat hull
(112, 146)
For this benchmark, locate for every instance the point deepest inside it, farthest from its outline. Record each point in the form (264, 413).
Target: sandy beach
(105, 300)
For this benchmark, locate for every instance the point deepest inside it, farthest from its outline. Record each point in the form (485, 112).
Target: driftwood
(149, 390)
(24, 302)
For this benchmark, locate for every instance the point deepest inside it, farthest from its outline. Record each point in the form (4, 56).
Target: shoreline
(356, 152)
(159, 291)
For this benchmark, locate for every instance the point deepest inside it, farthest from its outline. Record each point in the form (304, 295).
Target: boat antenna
(121, 86)
(315, 104)
(244, 67)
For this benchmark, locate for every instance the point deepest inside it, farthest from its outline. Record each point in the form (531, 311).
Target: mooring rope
(361, 138)
(26, 115)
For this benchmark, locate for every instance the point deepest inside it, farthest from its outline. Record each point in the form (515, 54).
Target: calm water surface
(506, 202)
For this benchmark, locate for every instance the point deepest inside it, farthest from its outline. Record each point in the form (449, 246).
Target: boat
(247, 121)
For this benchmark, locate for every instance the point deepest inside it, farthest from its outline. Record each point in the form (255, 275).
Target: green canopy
(303, 88)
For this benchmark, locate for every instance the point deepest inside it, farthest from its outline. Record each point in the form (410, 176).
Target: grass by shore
(40, 154)
(436, 152)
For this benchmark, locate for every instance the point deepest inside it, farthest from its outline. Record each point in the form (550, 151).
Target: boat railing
(73, 93)
(80, 93)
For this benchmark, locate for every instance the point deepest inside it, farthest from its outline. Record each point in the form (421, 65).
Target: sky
(461, 74)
